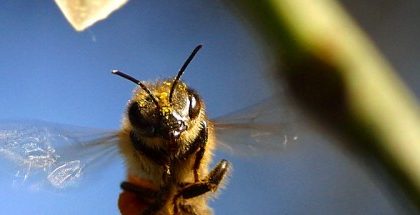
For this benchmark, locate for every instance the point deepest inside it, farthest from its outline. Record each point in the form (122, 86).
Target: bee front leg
(198, 157)
(200, 146)
(210, 183)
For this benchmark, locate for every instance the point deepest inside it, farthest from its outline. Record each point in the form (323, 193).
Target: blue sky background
(50, 72)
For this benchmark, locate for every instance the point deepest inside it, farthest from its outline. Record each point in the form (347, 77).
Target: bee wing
(41, 155)
(259, 129)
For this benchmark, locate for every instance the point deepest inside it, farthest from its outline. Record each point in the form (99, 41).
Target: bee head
(166, 118)
(164, 109)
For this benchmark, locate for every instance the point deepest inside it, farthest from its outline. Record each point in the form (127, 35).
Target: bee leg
(145, 194)
(210, 183)
(198, 157)
(200, 145)
(165, 190)
(159, 203)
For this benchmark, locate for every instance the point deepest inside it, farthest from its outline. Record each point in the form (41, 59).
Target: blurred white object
(83, 13)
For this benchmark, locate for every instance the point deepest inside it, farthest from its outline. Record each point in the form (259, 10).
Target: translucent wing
(259, 129)
(41, 155)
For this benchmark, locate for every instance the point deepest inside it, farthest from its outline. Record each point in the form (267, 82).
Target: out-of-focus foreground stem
(337, 74)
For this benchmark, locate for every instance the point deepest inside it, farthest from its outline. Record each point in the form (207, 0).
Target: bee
(166, 140)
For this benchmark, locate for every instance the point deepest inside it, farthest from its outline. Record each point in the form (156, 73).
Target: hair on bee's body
(140, 165)
(168, 141)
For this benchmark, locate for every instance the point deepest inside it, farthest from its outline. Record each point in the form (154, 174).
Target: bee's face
(166, 118)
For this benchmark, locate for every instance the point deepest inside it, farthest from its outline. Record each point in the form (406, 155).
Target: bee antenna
(181, 71)
(119, 73)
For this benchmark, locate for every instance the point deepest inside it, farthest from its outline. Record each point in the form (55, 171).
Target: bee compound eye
(195, 106)
(139, 121)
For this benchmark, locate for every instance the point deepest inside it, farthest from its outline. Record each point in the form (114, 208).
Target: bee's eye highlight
(139, 121)
(195, 105)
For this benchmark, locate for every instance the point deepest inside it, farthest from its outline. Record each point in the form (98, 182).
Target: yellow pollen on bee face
(142, 103)
(166, 110)
(163, 96)
(163, 99)
(141, 100)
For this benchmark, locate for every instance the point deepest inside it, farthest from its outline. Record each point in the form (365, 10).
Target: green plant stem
(338, 75)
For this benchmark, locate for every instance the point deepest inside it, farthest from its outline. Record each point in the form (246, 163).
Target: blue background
(50, 72)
